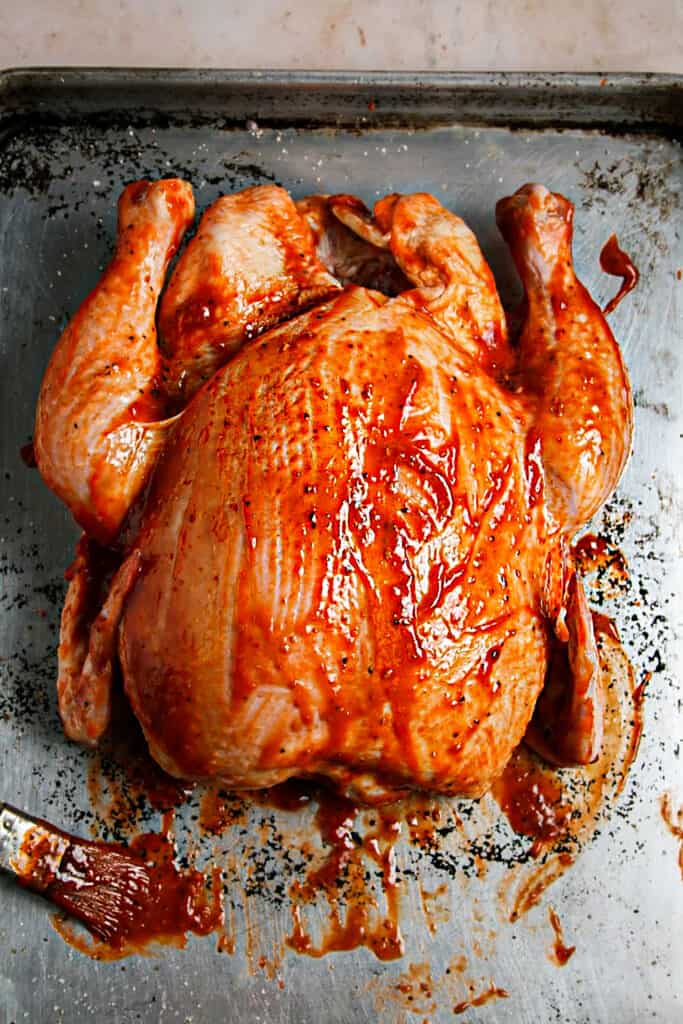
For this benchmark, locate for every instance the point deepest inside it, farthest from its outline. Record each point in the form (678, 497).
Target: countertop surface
(529, 35)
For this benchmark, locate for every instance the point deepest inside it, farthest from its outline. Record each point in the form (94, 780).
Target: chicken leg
(571, 370)
(98, 426)
(570, 366)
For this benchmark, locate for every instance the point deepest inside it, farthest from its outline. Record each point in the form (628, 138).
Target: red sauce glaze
(334, 819)
(561, 952)
(162, 790)
(128, 897)
(592, 554)
(353, 926)
(615, 261)
(532, 800)
(28, 455)
(488, 663)
(441, 581)
(288, 796)
(493, 992)
(638, 717)
(533, 469)
(602, 624)
(385, 939)
(219, 810)
(149, 406)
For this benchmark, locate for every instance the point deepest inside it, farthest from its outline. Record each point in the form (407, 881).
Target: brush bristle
(130, 898)
(108, 889)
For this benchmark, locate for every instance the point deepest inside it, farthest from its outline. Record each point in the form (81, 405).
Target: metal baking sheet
(69, 140)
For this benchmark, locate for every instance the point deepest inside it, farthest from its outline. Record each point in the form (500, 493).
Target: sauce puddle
(28, 455)
(531, 797)
(560, 809)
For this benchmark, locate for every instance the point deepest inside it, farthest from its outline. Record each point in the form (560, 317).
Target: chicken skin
(336, 500)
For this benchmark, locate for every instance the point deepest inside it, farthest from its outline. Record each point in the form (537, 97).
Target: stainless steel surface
(68, 142)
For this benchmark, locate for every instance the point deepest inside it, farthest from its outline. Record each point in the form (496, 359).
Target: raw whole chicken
(327, 511)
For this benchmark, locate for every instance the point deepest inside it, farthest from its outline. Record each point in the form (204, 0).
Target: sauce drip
(343, 870)
(638, 698)
(220, 810)
(673, 819)
(123, 777)
(291, 795)
(161, 790)
(615, 261)
(532, 800)
(594, 554)
(435, 908)
(603, 625)
(492, 992)
(28, 455)
(561, 952)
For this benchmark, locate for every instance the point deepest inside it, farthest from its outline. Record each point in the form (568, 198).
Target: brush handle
(30, 848)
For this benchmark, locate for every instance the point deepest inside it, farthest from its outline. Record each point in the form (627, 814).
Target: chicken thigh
(347, 555)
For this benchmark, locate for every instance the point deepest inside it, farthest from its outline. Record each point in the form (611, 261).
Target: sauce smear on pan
(615, 261)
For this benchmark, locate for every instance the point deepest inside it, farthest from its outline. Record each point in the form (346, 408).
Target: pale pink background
(604, 35)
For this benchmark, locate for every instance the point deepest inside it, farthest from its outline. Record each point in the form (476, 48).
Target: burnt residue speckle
(634, 180)
(43, 157)
(641, 401)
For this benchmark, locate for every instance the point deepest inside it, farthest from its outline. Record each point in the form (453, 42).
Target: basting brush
(126, 897)
(105, 886)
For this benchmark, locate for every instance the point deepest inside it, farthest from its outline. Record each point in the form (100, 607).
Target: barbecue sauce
(615, 261)
(350, 923)
(532, 799)
(561, 952)
(492, 992)
(28, 455)
(594, 554)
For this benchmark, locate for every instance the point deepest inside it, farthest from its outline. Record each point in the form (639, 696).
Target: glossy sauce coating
(251, 264)
(350, 922)
(532, 800)
(561, 952)
(353, 650)
(614, 260)
(352, 543)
